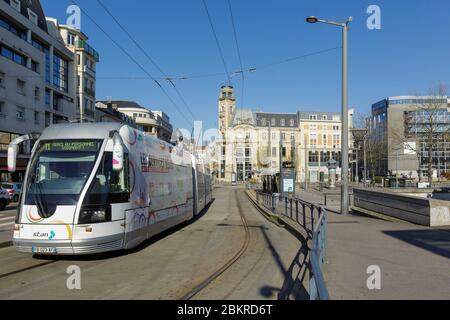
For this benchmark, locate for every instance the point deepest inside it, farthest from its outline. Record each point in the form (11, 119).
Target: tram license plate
(48, 250)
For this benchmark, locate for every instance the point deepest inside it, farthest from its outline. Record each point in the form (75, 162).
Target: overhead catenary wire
(147, 55)
(238, 52)
(217, 74)
(217, 42)
(134, 61)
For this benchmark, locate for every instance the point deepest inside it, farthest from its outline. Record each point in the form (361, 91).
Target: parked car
(13, 190)
(4, 198)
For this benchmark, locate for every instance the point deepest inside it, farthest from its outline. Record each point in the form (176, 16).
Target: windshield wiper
(37, 197)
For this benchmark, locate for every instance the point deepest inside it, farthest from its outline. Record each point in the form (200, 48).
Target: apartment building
(36, 76)
(86, 61)
(156, 123)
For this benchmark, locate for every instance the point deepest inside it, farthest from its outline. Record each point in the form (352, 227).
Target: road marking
(6, 224)
(7, 218)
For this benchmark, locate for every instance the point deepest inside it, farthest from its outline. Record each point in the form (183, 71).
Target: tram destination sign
(88, 146)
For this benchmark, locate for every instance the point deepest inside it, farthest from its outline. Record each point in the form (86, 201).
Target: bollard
(304, 214)
(290, 205)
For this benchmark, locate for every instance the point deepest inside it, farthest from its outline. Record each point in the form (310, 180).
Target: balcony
(88, 49)
(89, 92)
(89, 71)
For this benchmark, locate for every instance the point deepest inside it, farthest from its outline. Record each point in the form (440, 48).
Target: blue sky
(409, 54)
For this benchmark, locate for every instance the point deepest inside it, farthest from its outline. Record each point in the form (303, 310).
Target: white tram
(100, 187)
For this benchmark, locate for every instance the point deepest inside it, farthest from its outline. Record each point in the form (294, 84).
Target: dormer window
(32, 16)
(71, 39)
(312, 117)
(15, 4)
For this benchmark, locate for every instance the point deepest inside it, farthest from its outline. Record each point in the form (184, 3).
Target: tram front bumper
(68, 247)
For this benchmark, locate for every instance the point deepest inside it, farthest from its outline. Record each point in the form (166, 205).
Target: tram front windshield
(59, 170)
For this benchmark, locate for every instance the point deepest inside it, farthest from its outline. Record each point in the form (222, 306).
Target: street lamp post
(344, 146)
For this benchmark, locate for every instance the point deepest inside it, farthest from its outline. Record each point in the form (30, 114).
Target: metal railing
(313, 218)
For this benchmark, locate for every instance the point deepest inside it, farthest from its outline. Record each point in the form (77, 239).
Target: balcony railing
(89, 92)
(88, 49)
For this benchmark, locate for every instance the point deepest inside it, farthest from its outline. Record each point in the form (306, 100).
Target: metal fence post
(312, 217)
(304, 214)
(296, 210)
(290, 205)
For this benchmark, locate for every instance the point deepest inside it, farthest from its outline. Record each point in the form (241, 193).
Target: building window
(292, 122)
(37, 93)
(313, 156)
(32, 16)
(273, 122)
(47, 65)
(312, 117)
(21, 87)
(2, 80)
(336, 128)
(274, 151)
(60, 73)
(2, 107)
(324, 139)
(263, 121)
(324, 117)
(8, 26)
(336, 140)
(11, 55)
(283, 122)
(312, 140)
(313, 127)
(71, 39)
(274, 136)
(20, 113)
(34, 66)
(36, 117)
(283, 136)
(78, 59)
(15, 4)
(47, 97)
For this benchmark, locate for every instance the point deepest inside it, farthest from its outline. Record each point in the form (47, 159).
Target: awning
(268, 172)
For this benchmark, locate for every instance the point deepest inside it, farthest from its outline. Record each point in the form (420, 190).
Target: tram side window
(109, 186)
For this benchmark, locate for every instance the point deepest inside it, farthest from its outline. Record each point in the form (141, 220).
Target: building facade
(155, 123)
(255, 143)
(402, 126)
(37, 76)
(86, 61)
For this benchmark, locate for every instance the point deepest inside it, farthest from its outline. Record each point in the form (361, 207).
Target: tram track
(206, 282)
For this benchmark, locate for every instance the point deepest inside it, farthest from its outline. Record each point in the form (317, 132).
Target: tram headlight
(94, 214)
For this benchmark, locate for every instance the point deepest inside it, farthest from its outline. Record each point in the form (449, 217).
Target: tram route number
(226, 309)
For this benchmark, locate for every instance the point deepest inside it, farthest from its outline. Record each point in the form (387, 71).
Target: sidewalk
(414, 260)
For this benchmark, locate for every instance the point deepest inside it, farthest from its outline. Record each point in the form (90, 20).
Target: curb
(6, 244)
(280, 222)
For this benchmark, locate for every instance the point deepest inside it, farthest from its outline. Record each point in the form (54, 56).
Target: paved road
(170, 265)
(7, 222)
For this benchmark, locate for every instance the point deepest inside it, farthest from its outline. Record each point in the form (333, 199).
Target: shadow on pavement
(141, 246)
(435, 241)
(294, 277)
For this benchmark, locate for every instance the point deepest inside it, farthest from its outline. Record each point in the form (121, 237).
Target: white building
(37, 76)
(86, 60)
(155, 123)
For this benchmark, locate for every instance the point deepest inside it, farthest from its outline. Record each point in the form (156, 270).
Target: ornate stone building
(256, 143)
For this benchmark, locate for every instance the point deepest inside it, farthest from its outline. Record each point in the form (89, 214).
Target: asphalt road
(7, 222)
(173, 263)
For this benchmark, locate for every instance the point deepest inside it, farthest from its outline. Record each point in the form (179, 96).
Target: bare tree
(375, 146)
(424, 128)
